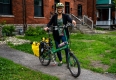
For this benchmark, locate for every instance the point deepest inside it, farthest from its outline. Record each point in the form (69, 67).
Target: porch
(105, 13)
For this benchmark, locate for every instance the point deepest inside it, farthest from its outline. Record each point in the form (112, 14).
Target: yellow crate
(35, 48)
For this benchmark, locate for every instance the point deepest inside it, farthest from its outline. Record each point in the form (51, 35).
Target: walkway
(62, 72)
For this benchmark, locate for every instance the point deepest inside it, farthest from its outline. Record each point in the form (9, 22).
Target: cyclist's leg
(66, 50)
(57, 42)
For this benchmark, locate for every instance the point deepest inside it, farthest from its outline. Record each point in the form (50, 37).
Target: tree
(114, 3)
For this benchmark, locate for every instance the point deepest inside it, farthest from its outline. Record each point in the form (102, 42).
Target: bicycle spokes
(45, 59)
(74, 65)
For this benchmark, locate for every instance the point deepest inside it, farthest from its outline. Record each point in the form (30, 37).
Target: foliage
(114, 1)
(32, 31)
(3, 23)
(8, 30)
(99, 28)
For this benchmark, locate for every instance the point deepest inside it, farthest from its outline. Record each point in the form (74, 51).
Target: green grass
(96, 52)
(12, 71)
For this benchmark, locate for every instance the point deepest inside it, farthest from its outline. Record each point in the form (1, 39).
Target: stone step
(85, 29)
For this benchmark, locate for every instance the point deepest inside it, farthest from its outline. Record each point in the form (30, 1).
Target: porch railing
(88, 21)
(78, 20)
(104, 22)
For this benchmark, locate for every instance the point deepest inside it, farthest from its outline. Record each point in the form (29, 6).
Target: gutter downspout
(24, 15)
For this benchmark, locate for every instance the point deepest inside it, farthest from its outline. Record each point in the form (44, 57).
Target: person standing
(60, 19)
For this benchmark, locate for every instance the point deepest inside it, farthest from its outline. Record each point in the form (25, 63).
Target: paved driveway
(62, 72)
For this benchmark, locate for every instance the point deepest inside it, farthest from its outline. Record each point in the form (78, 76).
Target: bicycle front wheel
(74, 65)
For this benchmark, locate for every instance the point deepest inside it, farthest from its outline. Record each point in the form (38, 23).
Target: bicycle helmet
(59, 5)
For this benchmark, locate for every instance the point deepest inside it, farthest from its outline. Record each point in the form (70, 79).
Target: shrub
(8, 30)
(32, 31)
(99, 28)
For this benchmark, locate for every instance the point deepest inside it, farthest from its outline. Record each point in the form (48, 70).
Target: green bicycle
(47, 54)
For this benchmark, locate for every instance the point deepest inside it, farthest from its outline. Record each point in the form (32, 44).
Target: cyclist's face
(60, 10)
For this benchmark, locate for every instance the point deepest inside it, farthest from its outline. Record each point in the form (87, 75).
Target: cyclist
(59, 19)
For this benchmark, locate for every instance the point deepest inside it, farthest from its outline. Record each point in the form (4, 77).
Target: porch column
(109, 13)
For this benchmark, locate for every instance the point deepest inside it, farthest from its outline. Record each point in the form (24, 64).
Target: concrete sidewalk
(62, 72)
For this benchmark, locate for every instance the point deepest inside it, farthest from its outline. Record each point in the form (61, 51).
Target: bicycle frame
(53, 50)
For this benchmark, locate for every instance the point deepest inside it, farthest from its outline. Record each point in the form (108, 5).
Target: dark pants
(57, 42)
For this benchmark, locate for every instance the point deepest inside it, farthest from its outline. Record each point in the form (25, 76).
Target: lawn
(96, 52)
(12, 71)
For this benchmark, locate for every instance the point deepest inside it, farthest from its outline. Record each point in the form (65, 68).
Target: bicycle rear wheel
(74, 65)
(44, 57)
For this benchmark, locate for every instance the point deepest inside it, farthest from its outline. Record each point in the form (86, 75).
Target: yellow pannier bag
(35, 48)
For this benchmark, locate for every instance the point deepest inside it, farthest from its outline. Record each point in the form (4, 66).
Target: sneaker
(53, 64)
(60, 64)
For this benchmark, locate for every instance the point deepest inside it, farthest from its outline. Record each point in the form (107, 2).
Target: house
(38, 12)
(105, 13)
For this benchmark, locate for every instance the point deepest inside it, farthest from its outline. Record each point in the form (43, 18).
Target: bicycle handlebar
(64, 26)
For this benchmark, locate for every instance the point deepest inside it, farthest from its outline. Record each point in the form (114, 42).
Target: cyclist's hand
(74, 22)
(46, 28)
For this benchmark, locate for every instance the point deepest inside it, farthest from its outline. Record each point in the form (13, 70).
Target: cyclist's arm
(71, 21)
(49, 24)
(51, 21)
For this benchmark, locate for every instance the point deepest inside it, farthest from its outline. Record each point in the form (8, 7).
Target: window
(5, 7)
(67, 7)
(103, 14)
(38, 8)
(79, 10)
(56, 1)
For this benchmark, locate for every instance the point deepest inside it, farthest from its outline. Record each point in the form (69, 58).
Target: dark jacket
(53, 22)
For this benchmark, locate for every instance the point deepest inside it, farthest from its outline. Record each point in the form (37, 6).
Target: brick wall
(91, 9)
(17, 10)
(16, 17)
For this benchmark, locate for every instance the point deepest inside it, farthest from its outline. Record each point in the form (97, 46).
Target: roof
(102, 1)
(103, 4)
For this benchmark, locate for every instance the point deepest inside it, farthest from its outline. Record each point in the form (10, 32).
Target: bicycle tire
(74, 65)
(44, 57)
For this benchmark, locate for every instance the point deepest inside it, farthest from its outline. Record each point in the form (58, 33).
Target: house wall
(16, 18)
(17, 11)
(91, 9)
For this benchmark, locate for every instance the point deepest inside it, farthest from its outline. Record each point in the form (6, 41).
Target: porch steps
(85, 29)
(81, 27)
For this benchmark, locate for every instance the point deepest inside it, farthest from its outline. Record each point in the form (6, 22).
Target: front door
(79, 7)
(55, 2)
(67, 7)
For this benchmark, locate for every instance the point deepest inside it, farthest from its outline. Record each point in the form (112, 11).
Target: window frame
(67, 7)
(36, 7)
(79, 6)
(6, 5)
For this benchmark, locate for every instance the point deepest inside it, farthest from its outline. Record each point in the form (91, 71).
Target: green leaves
(8, 30)
(34, 31)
